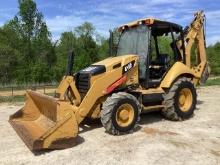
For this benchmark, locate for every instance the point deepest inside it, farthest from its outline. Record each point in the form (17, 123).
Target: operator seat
(161, 60)
(157, 69)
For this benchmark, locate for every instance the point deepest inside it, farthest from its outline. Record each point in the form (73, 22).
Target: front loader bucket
(45, 123)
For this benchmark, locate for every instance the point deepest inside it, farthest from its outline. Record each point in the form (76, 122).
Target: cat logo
(128, 66)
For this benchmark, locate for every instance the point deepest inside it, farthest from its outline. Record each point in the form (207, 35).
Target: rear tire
(180, 100)
(120, 113)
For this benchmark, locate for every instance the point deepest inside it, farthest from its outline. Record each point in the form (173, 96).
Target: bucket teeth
(45, 123)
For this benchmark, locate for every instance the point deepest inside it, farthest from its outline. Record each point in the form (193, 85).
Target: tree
(10, 55)
(82, 41)
(103, 48)
(28, 20)
(35, 45)
(8, 58)
(67, 42)
(86, 30)
(213, 58)
(86, 45)
(43, 47)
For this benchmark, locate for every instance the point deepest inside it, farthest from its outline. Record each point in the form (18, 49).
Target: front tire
(120, 113)
(180, 100)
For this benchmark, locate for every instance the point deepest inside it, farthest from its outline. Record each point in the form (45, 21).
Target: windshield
(135, 41)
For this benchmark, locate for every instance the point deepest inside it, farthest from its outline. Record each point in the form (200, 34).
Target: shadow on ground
(151, 117)
(199, 102)
(88, 125)
(77, 141)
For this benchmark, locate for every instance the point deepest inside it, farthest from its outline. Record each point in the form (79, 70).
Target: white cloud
(61, 23)
(213, 14)
(106, 15)
(213, 39)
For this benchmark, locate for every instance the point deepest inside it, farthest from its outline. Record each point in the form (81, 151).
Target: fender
(175, 71)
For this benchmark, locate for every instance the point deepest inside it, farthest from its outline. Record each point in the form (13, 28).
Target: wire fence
(21, 90)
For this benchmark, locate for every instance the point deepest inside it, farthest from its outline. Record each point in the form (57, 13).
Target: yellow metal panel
(111, 61)
(44, 122)
(100, 83)
(135, 23)
(132, 76)
(177, 69)
(150, 90)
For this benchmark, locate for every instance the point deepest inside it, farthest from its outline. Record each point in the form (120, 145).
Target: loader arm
(68, 85)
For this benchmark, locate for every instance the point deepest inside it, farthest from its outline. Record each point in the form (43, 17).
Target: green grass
(213, 82)
(12, 99)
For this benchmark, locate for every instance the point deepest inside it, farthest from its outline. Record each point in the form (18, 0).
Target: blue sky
(64, 15)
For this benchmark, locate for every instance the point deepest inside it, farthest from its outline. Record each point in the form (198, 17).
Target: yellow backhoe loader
(140, 78)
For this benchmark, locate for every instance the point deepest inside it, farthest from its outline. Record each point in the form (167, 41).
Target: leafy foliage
(213, 53)
(215, 81)
(86, 49)
(28, 54)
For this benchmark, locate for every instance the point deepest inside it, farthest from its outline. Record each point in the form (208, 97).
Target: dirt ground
(156, 141)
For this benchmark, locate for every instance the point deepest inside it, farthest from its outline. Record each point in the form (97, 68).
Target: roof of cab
(152, 22)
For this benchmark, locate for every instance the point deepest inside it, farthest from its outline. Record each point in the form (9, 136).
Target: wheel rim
(185, 99)
(125, 115)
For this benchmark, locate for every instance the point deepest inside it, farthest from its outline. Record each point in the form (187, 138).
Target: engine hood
(111, 63)
(125, 62)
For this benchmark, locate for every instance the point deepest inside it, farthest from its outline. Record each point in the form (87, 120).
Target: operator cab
(154, 41)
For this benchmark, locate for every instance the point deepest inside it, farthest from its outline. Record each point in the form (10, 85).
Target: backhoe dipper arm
(194, 34)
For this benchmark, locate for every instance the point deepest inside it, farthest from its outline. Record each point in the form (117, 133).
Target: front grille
(83, 83)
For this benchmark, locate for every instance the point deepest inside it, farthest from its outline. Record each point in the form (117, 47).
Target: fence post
(44, 89)
(12, 92)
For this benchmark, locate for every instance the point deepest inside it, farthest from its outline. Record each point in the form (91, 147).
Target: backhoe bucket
(45, 123)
